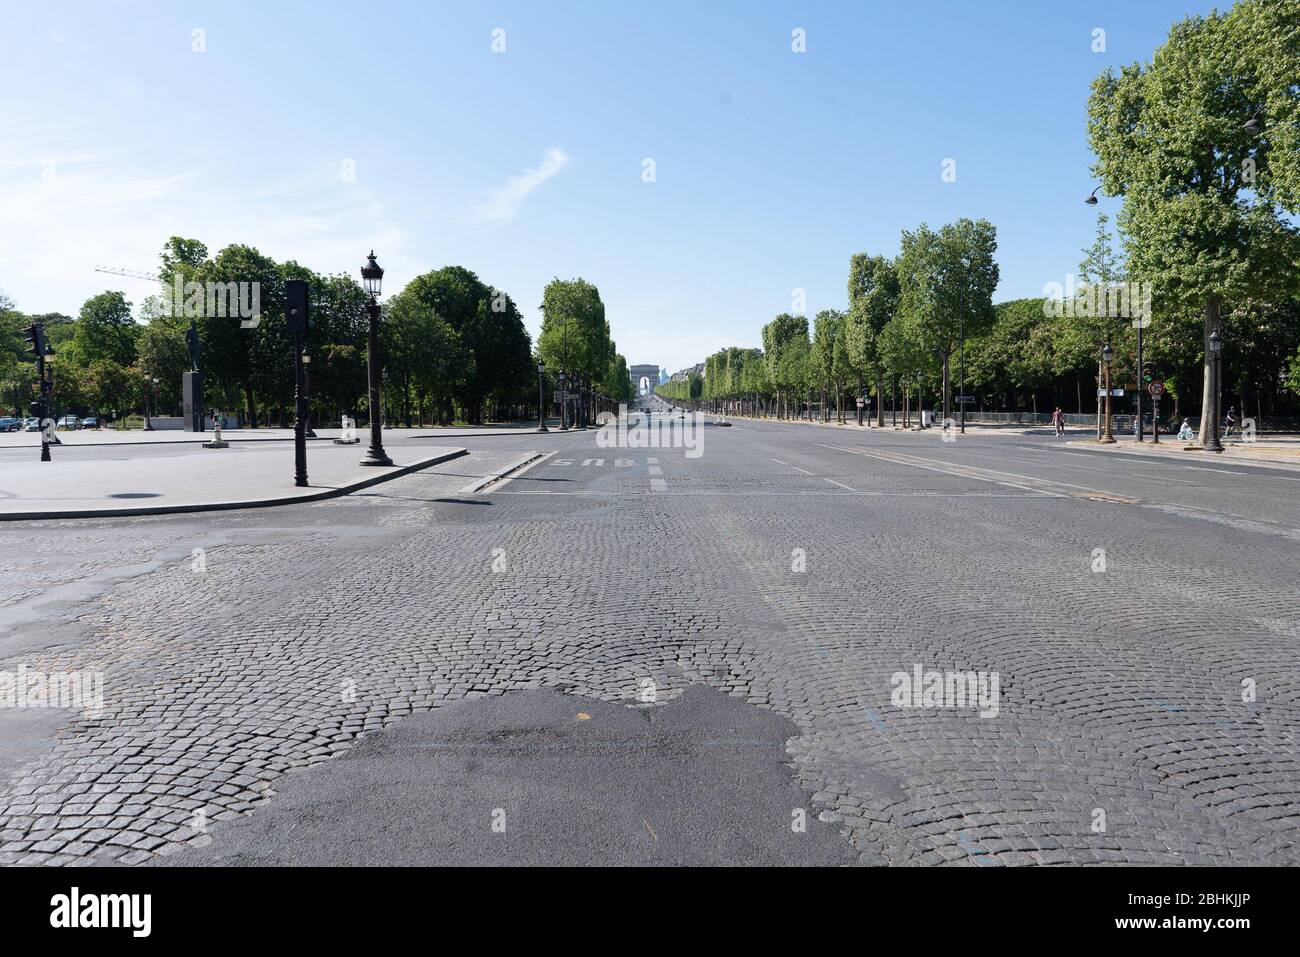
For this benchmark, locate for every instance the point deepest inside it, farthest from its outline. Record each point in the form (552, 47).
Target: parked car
(68, 422)
(32, 424)
(90, 422)
(10, 425)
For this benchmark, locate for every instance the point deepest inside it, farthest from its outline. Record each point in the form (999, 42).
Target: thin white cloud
(504, 202)
(55, 229)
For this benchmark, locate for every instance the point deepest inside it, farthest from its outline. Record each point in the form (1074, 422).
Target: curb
(207, 437)
(228, 506)
(1178, 449)
(499, 474)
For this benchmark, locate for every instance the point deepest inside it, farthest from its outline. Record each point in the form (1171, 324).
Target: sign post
(1157, 389)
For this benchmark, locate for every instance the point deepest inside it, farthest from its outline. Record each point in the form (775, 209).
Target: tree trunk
(1209, 404)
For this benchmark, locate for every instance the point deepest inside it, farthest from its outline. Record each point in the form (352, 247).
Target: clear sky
(315, 131)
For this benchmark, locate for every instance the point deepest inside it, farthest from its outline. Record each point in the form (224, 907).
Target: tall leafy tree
(785, 350)
(873, 301)
(1206, 202)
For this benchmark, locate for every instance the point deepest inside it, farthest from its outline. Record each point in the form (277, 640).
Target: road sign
(1117, 393)
(964, 399)
(1156, 388)
(861, 402)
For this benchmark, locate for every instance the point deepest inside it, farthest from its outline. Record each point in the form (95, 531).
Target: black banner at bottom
(229, 907)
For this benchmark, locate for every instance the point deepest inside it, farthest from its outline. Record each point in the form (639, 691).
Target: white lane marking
(1220, 471)
(965, 471)
(496, 478)
(840, 484)
(655, 470)
(1126, 470)
(779, 462)
(658, 485)
(735, 493)
(804, 471)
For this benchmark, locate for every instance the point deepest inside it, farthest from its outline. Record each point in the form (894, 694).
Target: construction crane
(129, 273)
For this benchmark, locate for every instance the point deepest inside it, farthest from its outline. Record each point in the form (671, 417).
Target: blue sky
(771, 167)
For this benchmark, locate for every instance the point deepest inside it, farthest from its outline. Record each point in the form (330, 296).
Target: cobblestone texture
(316, 624)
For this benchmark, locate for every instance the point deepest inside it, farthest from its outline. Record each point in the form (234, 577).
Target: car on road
(32, 424)
(90, 422)
(8, 424)
(70, 422)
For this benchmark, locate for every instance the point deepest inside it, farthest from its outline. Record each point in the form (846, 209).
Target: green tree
(946, 282)
(873, 301)
(785, 350)
(1205, 201)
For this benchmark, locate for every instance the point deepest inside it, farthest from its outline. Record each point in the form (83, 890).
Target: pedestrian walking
(1058, 420)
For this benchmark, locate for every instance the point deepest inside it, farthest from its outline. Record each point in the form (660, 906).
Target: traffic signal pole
(1141, 376)
(35, 335)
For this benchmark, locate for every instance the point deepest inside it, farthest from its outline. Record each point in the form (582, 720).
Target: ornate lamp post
(150, 384)
(1107, 357)
(372, 277)
(308, 432)
(1212, 443)
(541, 396)
(564, 406)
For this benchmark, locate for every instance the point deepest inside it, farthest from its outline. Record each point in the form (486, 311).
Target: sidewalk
(1278, 450)
(98, 437)
(248, 476)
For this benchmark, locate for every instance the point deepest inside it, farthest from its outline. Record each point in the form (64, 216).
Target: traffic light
(1148, 372)
(36, 343)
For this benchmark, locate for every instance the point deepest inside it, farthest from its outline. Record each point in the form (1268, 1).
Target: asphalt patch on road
(545, 778)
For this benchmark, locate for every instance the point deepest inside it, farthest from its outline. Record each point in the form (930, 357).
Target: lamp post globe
(372, 276)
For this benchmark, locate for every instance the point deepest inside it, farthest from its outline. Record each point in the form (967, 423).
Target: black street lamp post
(1212, 443)
(307, 430)
(150, 384)
(541, 397)
(564, 406)
(961, 375)
(372, 277)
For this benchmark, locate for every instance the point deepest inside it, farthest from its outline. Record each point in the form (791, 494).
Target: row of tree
(1203, 144)
(453, 347)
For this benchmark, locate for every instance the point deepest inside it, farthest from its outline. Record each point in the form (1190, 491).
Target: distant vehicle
(90, 422)
(10, 425)
(33, 424)
(68, 422)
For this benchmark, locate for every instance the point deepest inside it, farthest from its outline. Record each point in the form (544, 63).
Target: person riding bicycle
(1231, 421)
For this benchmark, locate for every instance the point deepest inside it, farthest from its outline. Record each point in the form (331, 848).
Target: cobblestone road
(1147, 713)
